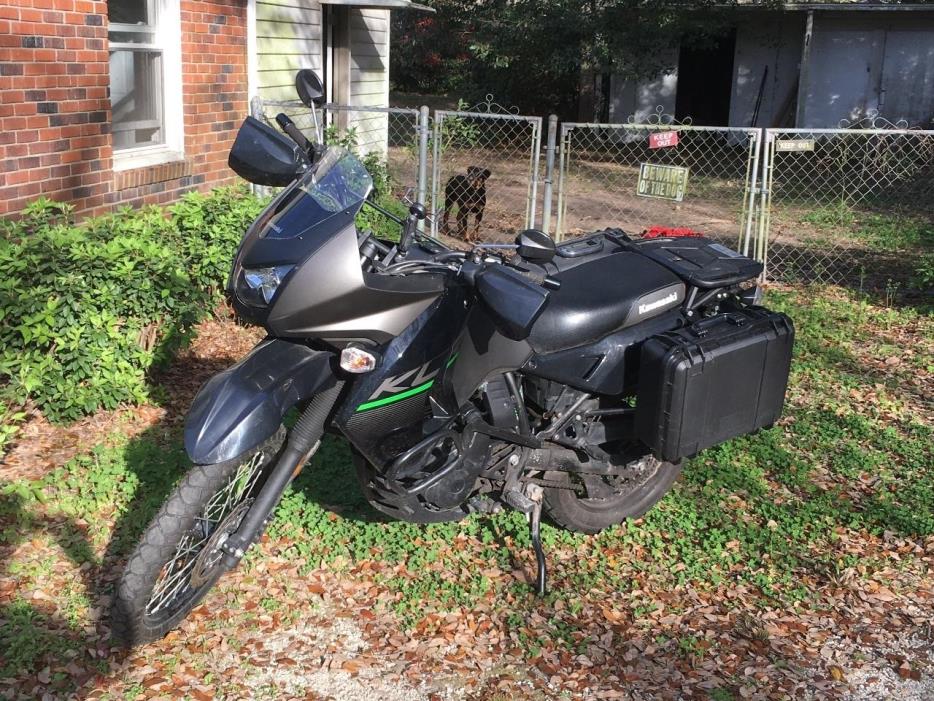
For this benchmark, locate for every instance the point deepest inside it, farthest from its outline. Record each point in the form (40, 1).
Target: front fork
(303, 441)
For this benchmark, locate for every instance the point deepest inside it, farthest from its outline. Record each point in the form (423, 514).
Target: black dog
(468, 192)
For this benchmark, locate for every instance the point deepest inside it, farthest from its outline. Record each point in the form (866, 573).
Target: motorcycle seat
(603, 296)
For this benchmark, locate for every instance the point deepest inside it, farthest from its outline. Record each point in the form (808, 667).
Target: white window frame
(168, 40)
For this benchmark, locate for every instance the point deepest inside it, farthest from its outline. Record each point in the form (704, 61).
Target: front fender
(242, 406)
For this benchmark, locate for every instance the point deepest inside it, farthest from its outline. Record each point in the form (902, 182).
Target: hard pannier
(707, 383)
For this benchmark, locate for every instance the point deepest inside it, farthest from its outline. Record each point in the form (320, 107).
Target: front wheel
(590, 503)
(178, 559)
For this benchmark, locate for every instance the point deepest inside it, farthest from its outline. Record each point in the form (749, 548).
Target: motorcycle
(567, 380)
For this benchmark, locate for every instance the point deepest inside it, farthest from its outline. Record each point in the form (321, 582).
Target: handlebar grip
(288, 126)
(549, 283)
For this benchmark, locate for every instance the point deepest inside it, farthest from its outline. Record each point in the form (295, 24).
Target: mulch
(42, 446)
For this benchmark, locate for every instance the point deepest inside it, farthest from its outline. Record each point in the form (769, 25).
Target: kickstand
(530, 503)
(535, 523)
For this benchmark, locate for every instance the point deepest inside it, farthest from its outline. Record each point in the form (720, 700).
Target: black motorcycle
(570, 379)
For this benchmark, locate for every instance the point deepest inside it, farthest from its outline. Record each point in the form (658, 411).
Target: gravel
(885, 672)
(323, 650)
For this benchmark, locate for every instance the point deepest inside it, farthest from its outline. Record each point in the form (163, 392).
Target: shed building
(809, 65)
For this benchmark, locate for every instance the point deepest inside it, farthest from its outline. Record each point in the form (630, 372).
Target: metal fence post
(435, 171)
(549, 172)
(762, 242)
(563, 148)
(752, 184)
(423, 137)
(533, 174)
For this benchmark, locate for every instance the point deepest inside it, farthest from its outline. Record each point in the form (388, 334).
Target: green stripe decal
(396, 397)
(406, 394)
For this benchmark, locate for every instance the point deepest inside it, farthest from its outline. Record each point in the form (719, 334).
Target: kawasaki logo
(652, 306)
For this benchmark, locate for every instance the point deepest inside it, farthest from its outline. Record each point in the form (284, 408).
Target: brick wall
(55, 107)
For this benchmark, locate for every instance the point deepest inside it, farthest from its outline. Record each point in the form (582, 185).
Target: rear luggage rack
(700, 262)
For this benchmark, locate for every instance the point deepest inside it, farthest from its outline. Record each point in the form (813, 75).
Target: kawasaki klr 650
(570, 379)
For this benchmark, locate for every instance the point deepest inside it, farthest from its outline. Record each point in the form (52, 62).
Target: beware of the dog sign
(662, 182)
(663, 139)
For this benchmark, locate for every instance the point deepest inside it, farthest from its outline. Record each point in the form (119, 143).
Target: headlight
(258, 286)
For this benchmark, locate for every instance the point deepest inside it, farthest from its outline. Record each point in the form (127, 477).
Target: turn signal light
(357, 360)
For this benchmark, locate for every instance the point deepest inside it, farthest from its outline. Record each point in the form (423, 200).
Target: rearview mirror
(309, 87)
(536, 246)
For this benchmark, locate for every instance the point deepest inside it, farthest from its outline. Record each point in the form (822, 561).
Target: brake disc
(211, 554)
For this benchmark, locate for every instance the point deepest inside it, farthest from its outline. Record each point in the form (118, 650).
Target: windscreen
(338, 184)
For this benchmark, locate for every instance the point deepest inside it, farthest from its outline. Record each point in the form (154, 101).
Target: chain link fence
(822, 205)
(651, 178)
(389, 139)
(844, 205)
(485, 173)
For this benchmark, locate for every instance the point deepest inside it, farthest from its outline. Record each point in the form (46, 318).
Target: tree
(533, 53)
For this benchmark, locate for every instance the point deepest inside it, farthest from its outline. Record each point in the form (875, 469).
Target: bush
(86, 310)
(210, 227)
(924, 271)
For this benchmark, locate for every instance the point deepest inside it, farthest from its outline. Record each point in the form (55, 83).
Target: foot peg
(530, 503)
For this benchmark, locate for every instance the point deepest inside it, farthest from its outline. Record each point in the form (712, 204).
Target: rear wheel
(178, 559)
(590, 503)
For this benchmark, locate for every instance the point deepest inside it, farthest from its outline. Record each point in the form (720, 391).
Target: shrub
(86, 310)
(210, 227)
(370, 219)
(11, 416)
(924, 271)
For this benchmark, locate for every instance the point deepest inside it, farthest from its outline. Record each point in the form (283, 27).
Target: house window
(145, 89)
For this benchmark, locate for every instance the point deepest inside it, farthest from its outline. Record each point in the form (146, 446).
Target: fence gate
(488, 152)
(663, 173)
(841, 204)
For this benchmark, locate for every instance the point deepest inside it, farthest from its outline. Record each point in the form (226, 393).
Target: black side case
(720, 378)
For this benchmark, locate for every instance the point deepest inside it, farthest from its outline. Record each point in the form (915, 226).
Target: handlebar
(549, 283)
(288, 126)
(471, 271)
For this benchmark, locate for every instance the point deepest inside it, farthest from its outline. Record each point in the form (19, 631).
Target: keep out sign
(663, 139)
(662, 182)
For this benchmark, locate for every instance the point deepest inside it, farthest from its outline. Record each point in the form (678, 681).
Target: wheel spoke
(175, 577)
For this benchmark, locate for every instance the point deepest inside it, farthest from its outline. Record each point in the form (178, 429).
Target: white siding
(908, 75)
(369, 76)
(288, 37)
(871, 62)
(641, 99)
(844, 75)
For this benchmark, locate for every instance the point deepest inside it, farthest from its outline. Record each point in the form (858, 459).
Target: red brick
(74, 160)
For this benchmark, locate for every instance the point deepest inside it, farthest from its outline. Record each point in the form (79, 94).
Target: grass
(776, 512)
(884, 233)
